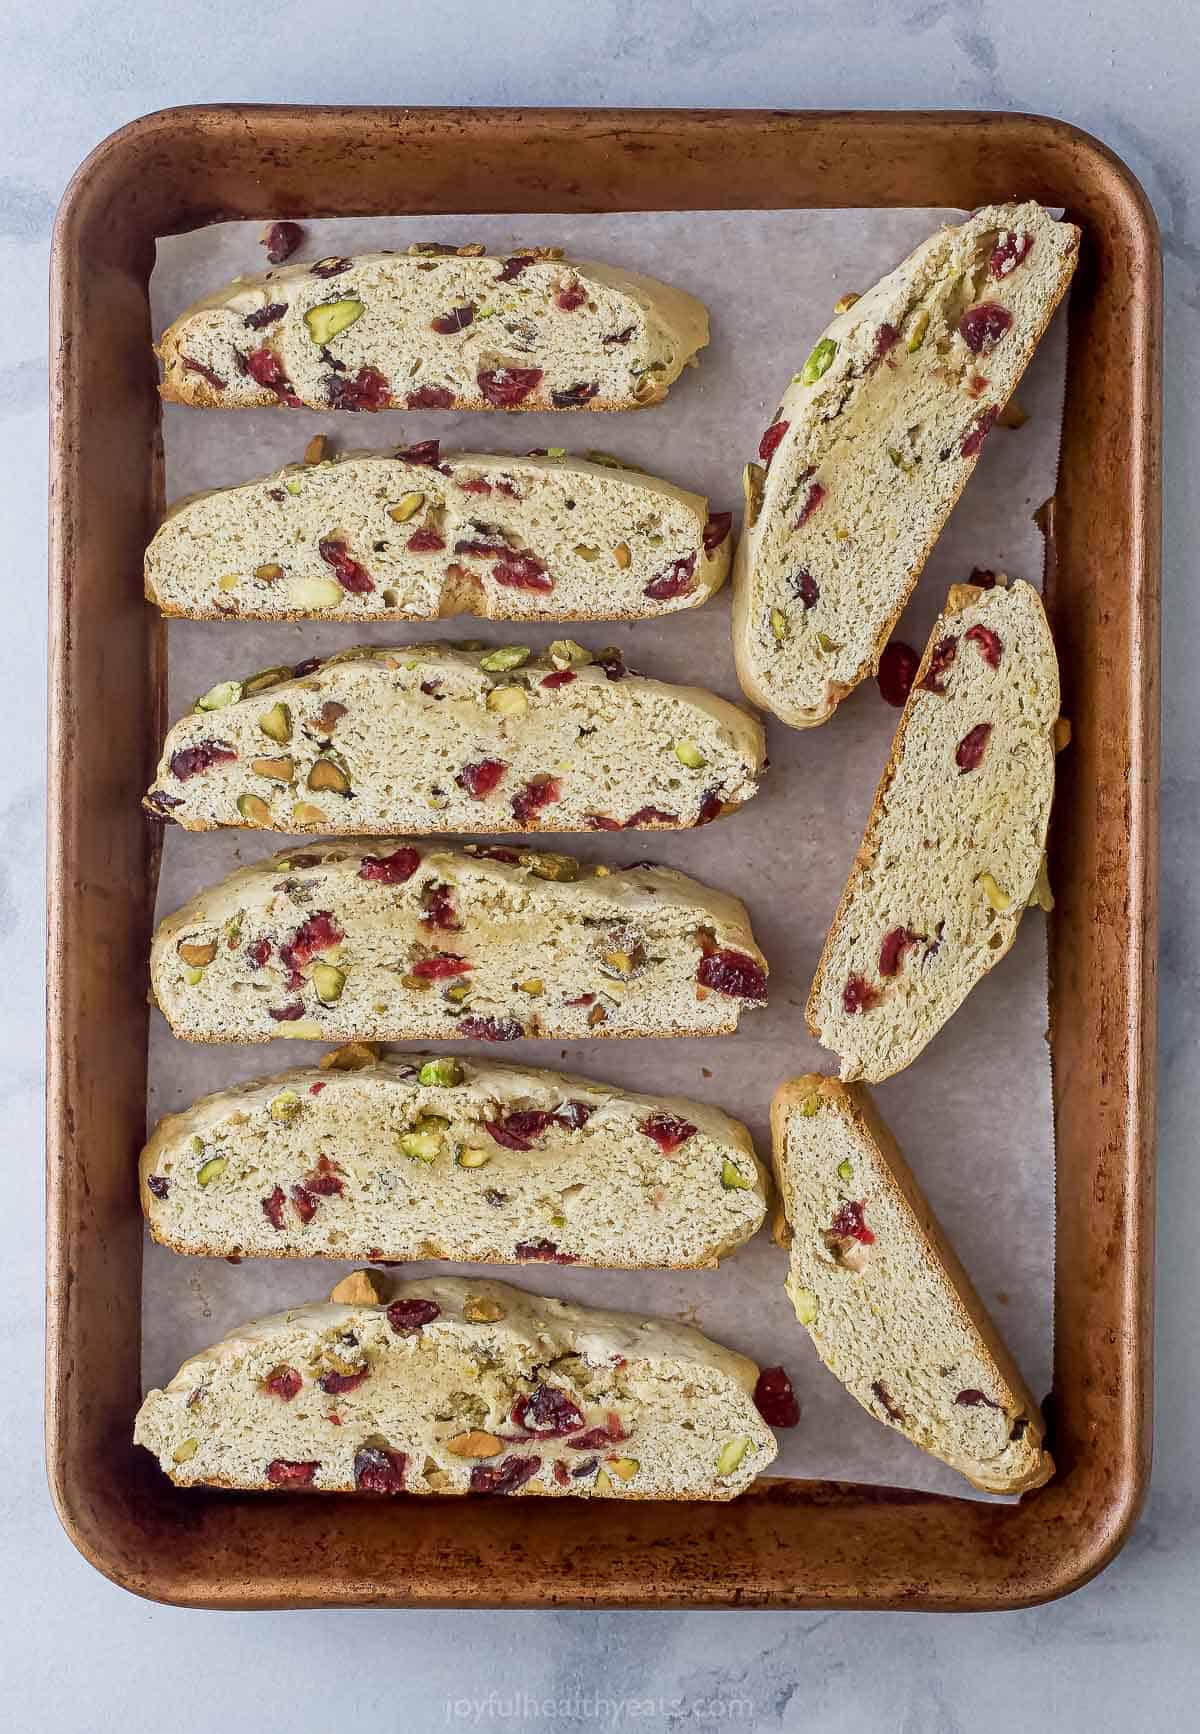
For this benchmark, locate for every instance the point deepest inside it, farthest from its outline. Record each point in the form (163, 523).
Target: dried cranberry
(575, 395)
(447, 324)
(768, 445)
(349, 574)
(310, 665)
(406, 1316)
(315, 1090)
(494, 852)
(529, 801)
(620, 336)
(541, 1252)
(478, 549)
(849, 1223)
(505, 386)
(425, 542)
(561, 1473)
(266, 369)
(378, 1470)
(287, 1014)
(595, 1439)
(973, 1399)
(160, 803)
(775, 1399)
(513, 267)
(281, 1473)
(982, 578)
(190, 761)
(649, 816)
(547, 1409)
(320, 932)
(886, 339)
(514, 1472)
(880, 1390)
(284, 1383)
(444, 967)
(733, 973)
(266, 316)
(521, 1129)
(968, 755)
(369, 389)
(430, 397)
(612, 662)
(281, 241)
(559, 677)
(332, 267)
(438, 902)
(667, 1131)
(258, 953)
(675, 580)
(574, 1115)
(583, 998)
(158, 1184)
(323, 1180)
(990, 646)
(305, 1203)
(522, 572)
(859, 996)
(972, 443)
(491, 1030)
(602, 822)
(273, 1207)
(897, 670)
(395, 869)
(337, 1384)
(710, 807)
(896, 942)
(982, 327)
(190, 366)
(716, 529)
(481, 778)
(805, 588)
(1009, 252)
(475, 485)
(587, 1467)
(570, 295)
(425, 454)
(944, 653)
(814, 497)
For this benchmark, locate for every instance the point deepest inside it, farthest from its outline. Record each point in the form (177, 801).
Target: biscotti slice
(350, 942)
(418, 533)
(889, 1307)
(955, 844)
(444, 330)
(463, 1386)
(437, 1157)
(430, 737)
(872, 445)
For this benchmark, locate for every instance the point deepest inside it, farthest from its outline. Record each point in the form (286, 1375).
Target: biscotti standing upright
(419, 533)
(888, 1305)
(954, 848)
(441, 1157)
(461, 1385)
(435, 328)
(872, 445)
(354, 942)
(430, 737)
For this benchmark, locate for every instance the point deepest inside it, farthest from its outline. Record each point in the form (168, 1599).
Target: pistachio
(330, 318)
(474, 1444)
(509, 701)
(217, 697)
(602, 1484)
(303, 813)
(211, 1170)
(805, 1303)
(277, 770)
(229, 581)
(254, 810)
(731, 1454)
(314, 594)
(473, 1156)
(845, 1171)
(362, 1288)
(999, 900)
(564, 652)
(732, 1179)
(285, 1106)
(844, 303)
(689, 754)
(276, 724)
(754, 478)
(508, 656)
(624, 1468)
(196, 1145)
(183, 1452)
(417, 983)
(917, 330)
(779, 625)
(819, 361)
(534, 987)
(620, 962)
(563, 868)
(621, 555)
(459, 993)
(294, 485)
(827, 644)
(586, 552)
(482, 1311)
(406, 507)
(327, 773)
(424, 1142)
(197, 955)
(328, 982)
(352, 1057)
(314, 451)
(307, 1030)
(1041, 896)
(556, 451)
(444, 1071)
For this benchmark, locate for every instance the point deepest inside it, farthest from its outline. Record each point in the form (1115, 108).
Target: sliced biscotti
(430, 737)
(447, 1158)
(451, 329)
(350, 942)
(888, 1305)
(414, 534)
(872, 445)
(463, 1386)
(955, 844)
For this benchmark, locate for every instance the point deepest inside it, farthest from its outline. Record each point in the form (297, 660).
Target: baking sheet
(974, 1113)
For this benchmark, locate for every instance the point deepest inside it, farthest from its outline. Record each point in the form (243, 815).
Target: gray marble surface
(77, 1654)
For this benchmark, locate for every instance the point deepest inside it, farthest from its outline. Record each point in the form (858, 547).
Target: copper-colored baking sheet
(788, 1543)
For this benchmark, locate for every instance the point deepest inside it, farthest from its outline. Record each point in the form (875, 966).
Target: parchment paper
(973, 1114)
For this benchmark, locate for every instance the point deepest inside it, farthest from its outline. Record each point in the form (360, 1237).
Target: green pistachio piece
(508, 656)
(331, 318)
(212, 1170)
(689, 754)
(805, 1303)
(473, 1156)
(421, 1146)
(916, 336)
(294, 485)
(217, 697)
(819, 361)
(328, 982)
(779, 625)
(732, 1180)
(846, 1171)
(446, 1071)
(731, 1454)
(285, 1106)
(276, 723)
(567, 653)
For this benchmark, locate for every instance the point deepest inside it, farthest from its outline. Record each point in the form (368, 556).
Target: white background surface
(77, 1654)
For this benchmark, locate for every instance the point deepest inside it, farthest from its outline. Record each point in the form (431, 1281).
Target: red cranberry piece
(315, 1090)
(1010, 251)
(620, 336)
(159, 1185)
(266, 369)
(480, 550)
(944, 653)
(602, 822)
(850, 1223)
(513, 267)
(521, 1129)
(533, 797)
(481, 778)
(190, 761)
(282, 1473)
(283, 1383)
(331, 267)
(968, 755)
(716, 529)
(161, 803)
(649, 816)
(378, 1470)
(733, 973)
(522, 572)
(886, 339)
(369, 389)
(574, 1115)
(425, 542)
(323, 1180)
(570, 295)
(190, 366)
(475, 485)
(505, 386)
(775, 1399)
(320, 932)
(512, 1473)
(667, 1131)
(982, 327)
(805, 588)
(447, 324)
(349, 574)
(541, 1252)
(425, 454)
(675, 580)
(897, 670)
(444, 967)
(978, 431)
(612, 662)
(895, 943)
(595, 1439)
(549, 1410)
(310, 665)
(859, 996)
(990, 646)
(266, 316)
(258, 953)
(812, 500)
(768, 445)
(273, 1207)
(973, 1400)
(337, 1384)
(575, 395)
(491, 1030)
(406, 1316)
(880, 1390)
(287, 1014)
(305, 1203)
(584, 998)
(561, 1473)
(440, 910)
(281, 241)
(710, 807)
(559, 677)
(430, 689)
(395, 869)
(982, 578)
(430, 397)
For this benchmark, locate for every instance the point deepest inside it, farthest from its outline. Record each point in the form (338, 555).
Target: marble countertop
(76, 1653)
